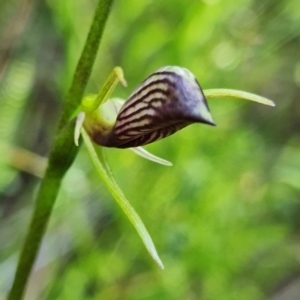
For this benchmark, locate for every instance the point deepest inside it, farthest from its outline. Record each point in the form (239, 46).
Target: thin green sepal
(228, 93)
(103, 170)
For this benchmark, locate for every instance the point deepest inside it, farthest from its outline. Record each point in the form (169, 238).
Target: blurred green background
(224, 218)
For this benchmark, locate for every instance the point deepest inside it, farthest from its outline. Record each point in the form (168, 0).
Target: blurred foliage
(225, 217)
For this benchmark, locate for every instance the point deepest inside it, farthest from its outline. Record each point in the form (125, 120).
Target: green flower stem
(60, 160)
(86, 62)
(227, 93)
(62, 154)
(103, 170)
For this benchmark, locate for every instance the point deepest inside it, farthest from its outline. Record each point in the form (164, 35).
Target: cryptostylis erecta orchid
(168, 100)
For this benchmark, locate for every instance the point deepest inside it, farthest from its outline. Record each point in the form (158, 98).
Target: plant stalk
(61, 156)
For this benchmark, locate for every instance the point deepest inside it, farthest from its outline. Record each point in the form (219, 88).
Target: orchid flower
(165, 102)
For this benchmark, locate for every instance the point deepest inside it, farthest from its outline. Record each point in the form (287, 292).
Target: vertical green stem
(62, 154)
(86, 61)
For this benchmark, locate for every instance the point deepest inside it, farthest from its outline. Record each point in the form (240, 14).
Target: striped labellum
(165, 102)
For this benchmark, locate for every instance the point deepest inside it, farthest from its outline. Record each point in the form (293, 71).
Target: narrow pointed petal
(106, 175)
(228, 93)
(145, 154)
(79, 122)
